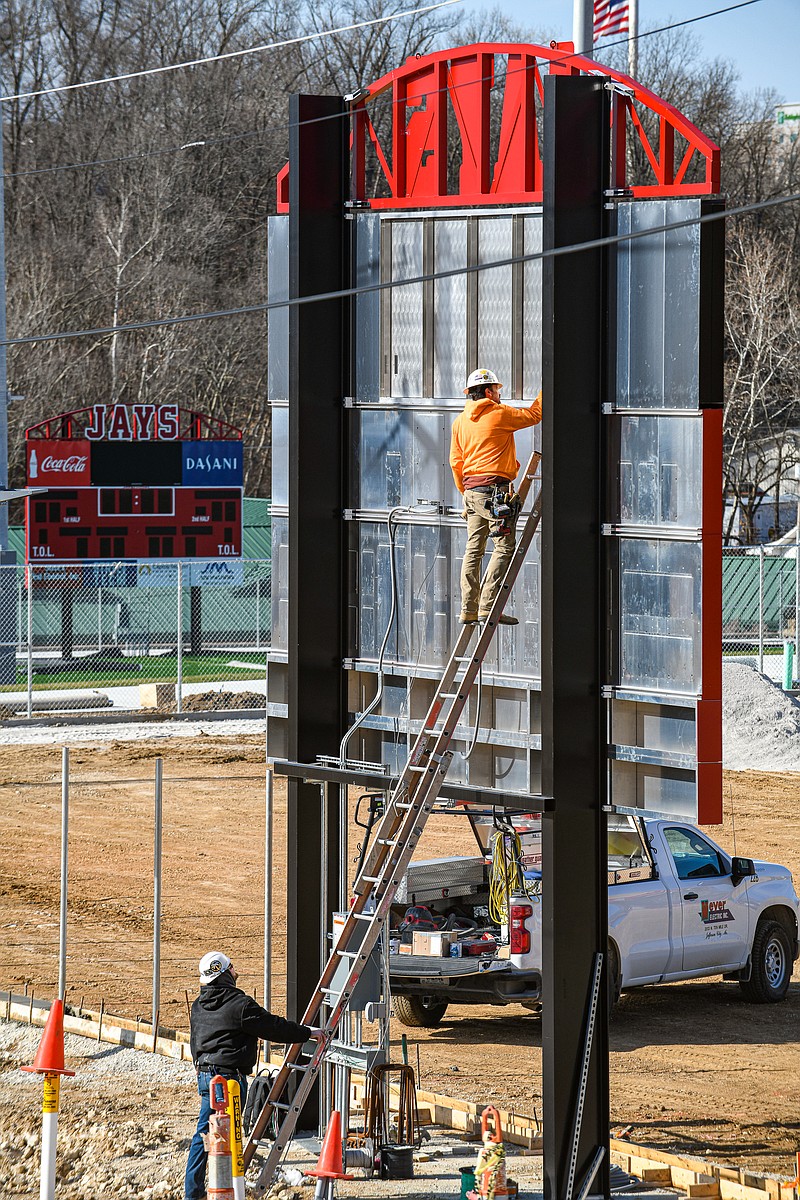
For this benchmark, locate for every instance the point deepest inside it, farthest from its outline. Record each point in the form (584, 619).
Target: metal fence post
(179, 685)
(268, 806)
(62, 911)
(157, 895)
(30, 641)
(761, 609)
(797, 585)
(99, 618)
(258, 613)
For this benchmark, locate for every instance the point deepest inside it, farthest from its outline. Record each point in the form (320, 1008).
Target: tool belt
(226, 1072)
(505, 506)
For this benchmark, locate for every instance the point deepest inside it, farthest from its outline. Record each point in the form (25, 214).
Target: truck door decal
(713, 912)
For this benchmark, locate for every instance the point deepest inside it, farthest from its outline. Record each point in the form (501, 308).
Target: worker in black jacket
(225, 1027)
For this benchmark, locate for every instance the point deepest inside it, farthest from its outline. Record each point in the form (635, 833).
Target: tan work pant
(481, 525)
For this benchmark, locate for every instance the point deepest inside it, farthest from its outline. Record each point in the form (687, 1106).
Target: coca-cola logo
(74, 464)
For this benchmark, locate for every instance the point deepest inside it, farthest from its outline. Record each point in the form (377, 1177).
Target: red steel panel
(519, 163)
(425, 144)
(469, 80)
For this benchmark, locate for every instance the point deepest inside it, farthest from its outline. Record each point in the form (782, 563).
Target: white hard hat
(481, 378)
(212, 965)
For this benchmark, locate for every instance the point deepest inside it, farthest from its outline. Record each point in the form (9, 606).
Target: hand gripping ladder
(393, 845)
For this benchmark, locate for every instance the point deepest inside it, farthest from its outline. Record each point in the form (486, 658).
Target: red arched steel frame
(416, 171)
(192, 426)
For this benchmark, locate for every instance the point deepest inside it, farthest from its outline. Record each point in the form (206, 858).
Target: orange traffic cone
(329, 1165)
(49, 1058)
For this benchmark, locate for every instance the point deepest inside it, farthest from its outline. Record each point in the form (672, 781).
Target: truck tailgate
(443, 968)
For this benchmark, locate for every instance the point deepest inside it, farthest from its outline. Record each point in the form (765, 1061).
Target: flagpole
(583, 26)
(633, 38)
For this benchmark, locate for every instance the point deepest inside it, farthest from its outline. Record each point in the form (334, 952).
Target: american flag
(610, 16)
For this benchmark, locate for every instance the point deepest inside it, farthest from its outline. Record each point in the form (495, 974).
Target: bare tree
(762, 412)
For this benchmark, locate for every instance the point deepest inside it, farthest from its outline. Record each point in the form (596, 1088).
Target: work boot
(501, 620)
(468, 618)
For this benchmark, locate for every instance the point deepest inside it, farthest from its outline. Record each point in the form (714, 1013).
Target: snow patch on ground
(760, 722)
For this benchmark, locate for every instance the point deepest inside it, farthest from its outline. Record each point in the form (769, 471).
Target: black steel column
(318, 360)
(575, 917)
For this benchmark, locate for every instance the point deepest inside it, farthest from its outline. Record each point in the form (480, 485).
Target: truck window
(693, 856)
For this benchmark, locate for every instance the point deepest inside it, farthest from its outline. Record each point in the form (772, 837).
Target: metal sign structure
(139, 481)
(414, 344)
(458, 206)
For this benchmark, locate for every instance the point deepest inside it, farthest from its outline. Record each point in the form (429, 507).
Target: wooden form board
(696, 1177)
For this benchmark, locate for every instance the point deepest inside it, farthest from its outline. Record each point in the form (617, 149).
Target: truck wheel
(771, 965)
(614, 980)
(419, 1012)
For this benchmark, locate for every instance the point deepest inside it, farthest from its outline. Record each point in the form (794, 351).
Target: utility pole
(633, 38)
(3, 356)
(8, 574)
(583, 26)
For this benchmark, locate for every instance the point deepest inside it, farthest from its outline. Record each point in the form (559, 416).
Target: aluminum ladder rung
(386, 841)
(293, 1066)
(370, 879)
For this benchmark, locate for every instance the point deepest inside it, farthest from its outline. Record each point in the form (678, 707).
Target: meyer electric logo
(714, 912)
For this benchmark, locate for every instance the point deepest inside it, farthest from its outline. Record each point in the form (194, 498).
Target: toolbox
(440, 879)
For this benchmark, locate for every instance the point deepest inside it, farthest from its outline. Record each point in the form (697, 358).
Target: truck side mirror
(741, 868)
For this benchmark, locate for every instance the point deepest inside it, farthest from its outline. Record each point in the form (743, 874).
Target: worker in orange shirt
(483, 459)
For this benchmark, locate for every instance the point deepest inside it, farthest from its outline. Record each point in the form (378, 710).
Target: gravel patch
(127, 1117)
(760, 722)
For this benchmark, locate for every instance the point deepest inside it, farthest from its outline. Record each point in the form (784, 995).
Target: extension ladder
(397, 835)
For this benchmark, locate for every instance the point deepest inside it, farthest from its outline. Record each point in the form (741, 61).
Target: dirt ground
(693, 1066)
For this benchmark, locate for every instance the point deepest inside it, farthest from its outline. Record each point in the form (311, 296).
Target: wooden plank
(694, 1183)
(729, 1190)
(650, 1172)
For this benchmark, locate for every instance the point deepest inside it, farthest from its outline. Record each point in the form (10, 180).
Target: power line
(231, 54)
(201, 141)
(364, 289)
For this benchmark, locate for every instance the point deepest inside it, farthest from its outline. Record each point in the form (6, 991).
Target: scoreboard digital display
(134, 482)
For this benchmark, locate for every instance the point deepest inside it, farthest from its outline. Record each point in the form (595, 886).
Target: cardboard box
(432, 945)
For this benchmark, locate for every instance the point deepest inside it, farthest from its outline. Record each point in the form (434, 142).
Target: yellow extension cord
(506, 877)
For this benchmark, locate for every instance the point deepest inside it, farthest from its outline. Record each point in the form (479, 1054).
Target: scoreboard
(134, 482)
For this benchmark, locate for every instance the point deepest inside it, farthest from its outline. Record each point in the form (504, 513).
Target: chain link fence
(174, 637)
(761, 605)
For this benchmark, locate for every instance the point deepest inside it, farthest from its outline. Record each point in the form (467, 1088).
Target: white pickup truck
(679, 907)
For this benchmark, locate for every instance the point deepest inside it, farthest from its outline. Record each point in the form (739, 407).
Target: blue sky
(763, 40)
